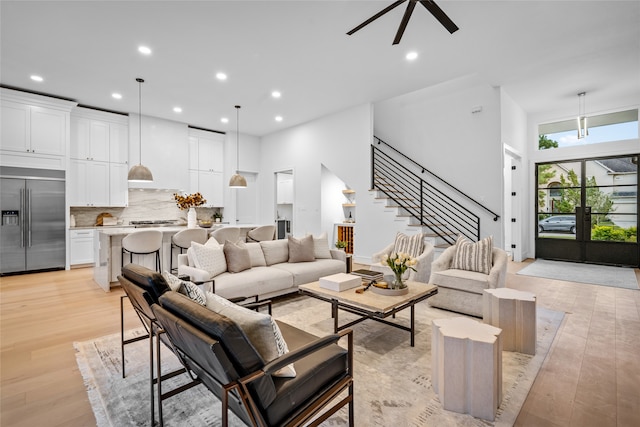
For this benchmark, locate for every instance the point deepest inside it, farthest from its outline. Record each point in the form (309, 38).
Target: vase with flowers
(190, 201)
(399, 262)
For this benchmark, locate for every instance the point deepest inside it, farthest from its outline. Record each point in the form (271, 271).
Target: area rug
(604, 275)
(392, 379)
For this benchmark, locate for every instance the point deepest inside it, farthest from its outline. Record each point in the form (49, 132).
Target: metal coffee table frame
(378, 316)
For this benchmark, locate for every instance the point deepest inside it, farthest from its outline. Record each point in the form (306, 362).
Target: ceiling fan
(430, 5)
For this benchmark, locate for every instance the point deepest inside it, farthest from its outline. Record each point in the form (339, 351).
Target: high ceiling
(542, 52)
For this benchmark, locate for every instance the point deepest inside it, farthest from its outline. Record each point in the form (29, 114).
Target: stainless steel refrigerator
(32, 231)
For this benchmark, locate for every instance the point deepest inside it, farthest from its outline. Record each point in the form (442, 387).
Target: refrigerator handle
(29, 214)
(21, 218)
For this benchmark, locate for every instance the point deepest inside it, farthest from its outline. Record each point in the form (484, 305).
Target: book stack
(368, 275)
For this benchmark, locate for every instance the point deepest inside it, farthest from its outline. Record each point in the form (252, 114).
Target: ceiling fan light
(237, 181)
(139, 173)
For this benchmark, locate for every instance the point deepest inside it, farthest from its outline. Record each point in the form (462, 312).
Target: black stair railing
(432, 208)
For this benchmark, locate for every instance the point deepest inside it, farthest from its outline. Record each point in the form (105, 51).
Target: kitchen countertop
(121, 230)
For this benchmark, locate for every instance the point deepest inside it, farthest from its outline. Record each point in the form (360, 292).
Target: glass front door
(587, 210)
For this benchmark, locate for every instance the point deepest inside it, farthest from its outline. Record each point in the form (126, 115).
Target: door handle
(29, 213)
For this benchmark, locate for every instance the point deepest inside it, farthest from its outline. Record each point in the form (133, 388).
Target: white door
(247, 201)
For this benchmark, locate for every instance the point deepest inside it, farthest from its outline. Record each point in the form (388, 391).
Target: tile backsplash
(143, 205)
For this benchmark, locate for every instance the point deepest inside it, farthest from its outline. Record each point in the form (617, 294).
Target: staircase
(428, 202)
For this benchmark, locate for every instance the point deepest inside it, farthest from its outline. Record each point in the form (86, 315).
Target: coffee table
(369, 305)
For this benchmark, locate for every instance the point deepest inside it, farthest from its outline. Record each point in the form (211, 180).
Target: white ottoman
(515, 313)
(466, 366)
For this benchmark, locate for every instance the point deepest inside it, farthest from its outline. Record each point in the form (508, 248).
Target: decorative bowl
(205, 223)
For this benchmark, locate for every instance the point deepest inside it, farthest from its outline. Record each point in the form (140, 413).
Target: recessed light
(144, 50)
(224, 120)
(177, 110)
(276, 94)
(221, 76)
(36, 78)
(116, 95)
(278, 118)
(411, 56)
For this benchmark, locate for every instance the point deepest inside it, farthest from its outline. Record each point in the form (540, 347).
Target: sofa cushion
(255, 254)
(260, 328)
(301, 250)
(321, 248)
(463, 280)
(210, 258)
(275, 251)
(473, 256)
(237, 257)
(306, 272)
(412, 245)
(173, 281)
(193, 292)
(255, 281)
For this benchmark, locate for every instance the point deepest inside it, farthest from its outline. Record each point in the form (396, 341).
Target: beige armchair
(423, 263)
(461, 290)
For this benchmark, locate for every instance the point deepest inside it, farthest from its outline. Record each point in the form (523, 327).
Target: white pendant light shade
(237, 180)
(139, 172)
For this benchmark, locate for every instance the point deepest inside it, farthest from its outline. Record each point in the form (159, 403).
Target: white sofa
(271, 273)
(461, 290)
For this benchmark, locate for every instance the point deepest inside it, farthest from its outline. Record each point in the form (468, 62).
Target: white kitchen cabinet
(118, 143)
(33, 129)
(89, 183)
(118, 184)
(210, 185)
(81, 249)
(206, 151)
(285, 191)
(89, 139)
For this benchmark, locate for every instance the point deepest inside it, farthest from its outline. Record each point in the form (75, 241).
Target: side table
(514, 312)
(466, 366)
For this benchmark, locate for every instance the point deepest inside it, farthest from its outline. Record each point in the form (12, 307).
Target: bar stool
(182, 240)
(261, 233)
(231, 234)
(144, 242)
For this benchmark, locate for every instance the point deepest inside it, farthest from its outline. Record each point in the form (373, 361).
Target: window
(619, 126)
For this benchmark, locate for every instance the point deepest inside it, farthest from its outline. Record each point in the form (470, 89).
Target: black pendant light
(139, 172)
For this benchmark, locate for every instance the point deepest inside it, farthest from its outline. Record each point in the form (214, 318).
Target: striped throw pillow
(412, 245)
(472, 256)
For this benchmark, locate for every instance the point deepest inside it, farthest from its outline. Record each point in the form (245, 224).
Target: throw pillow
(237, 257)
(301, 250)
(255, 254)
(472, 256)
(210, 258)
(173, 282)
(411, 245)
(194, 292)
(321, 246)
(260, 328)
(275, 251)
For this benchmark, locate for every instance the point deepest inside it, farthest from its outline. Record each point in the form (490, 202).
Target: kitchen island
(108, 256)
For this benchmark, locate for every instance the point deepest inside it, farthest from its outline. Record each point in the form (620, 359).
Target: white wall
(438, 128)
(331, 200)
(341, 143)
(249, 161)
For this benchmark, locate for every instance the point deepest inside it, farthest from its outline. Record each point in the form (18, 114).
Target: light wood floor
(591, 376)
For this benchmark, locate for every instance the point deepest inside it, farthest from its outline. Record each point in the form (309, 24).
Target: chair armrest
(377, 257)
(498, 272)
(306, 350)
(423, 265)
(183, 259)
(196, 274)
(444, 260)
(256, 305)
(338, 254)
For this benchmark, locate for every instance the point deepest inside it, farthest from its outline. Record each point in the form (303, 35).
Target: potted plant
(341, 244)
(190, 201)
(217, 216)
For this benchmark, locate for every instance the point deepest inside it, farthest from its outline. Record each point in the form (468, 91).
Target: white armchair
(423, 263)
(461, 290)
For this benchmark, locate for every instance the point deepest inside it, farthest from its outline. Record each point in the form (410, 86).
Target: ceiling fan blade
(405, 21)
(440, 15)
(377, 15)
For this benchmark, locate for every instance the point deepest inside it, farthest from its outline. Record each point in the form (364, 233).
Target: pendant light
(582, 118)
(140, 173)
(237, 180)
